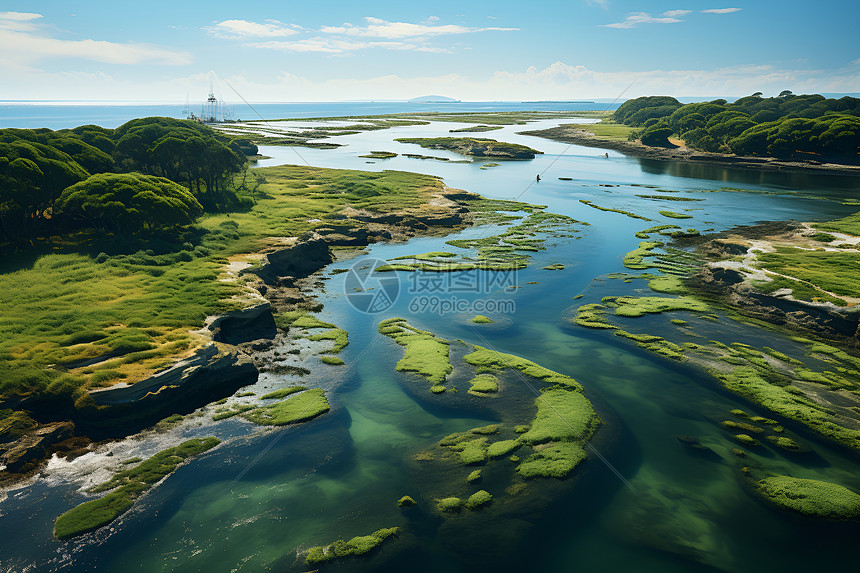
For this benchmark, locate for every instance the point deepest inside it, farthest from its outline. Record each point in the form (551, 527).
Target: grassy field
(836, 272)
(608, 129)
(130, 307)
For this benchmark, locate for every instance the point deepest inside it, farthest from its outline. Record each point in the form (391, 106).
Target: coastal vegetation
(123, 173)
(787, 126)
(424, 353)
(355, 547)
(814, 498)
(90, 310)
(476, 129)
(298, 408)
(476, 147)
(506, 251)
(128, 485)
(380, 155)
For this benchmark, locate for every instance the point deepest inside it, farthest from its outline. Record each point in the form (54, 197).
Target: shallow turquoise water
(648, 505)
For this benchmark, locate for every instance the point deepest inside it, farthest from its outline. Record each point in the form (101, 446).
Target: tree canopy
(37, 165)
(786, 126)
(128, 202)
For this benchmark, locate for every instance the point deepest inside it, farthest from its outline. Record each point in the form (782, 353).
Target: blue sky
(346, 50)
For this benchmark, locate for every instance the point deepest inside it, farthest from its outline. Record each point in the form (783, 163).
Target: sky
(333, 50)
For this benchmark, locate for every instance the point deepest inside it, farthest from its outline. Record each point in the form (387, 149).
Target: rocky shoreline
(730, 285)
(578, 136)
(239, 340)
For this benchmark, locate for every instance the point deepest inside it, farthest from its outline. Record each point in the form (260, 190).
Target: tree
(657, 137)
(128, 203)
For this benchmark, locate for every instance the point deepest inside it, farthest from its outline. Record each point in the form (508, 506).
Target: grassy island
(476, 147)
(355, 547)
(810, 497)
(297, 408)
(129, 485)
(424, 353)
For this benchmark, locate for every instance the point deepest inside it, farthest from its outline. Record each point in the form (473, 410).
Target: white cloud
(377, 28)
(20, 47)
(19, 16)
(340, 46)
(634, 19)
(720, 10)
(18, 21)
(240, 29)
(559, 81)
(674, 13)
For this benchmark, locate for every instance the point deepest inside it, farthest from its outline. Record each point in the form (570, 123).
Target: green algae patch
(742, 426)
(229, 413)
(424, 353)
(646, 233)
(678, 321)
(592, 316)
(554, 267)
(305, 321)
(668, 198)
(450, 505)
(483, 384)
(437, 389)
(784, 443)
(746, 439)
(486, 361)
(635, 259)
(479, 499)
(283, 393)
(553, 461)
(502, 448)
(473, 451)
(627, 213)
(299, 408)
(481, 319)
(332, 360)
(475, 129)
(355, 547)
(131, 484)
(674, 215)
(787, 401)
(667, 284)
(406, 501)
(474, 477)
(633, 306)
(810, 497)
(561, 415)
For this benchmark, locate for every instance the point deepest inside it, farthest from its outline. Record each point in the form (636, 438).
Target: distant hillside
(434, 99)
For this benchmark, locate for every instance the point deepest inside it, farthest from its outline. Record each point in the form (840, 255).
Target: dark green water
(648, 505)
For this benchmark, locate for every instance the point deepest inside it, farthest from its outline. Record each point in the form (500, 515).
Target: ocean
(68, 114)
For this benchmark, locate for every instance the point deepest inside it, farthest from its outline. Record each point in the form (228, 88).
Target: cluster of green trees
(147, 173)
(786, 126)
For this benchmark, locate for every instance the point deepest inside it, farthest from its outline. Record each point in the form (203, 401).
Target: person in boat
(606, 155)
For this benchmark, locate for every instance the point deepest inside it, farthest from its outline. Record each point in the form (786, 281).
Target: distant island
(433, 99)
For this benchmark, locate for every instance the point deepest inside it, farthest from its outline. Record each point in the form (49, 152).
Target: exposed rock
(32, 447)
(298, 261)
(245, 325)
(212, 373)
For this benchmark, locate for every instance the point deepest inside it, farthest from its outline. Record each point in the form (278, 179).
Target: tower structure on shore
(214, 110)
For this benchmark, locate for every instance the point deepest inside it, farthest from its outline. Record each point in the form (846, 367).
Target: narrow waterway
(648, 505)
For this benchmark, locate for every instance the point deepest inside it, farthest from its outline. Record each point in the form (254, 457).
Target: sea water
(644, 504)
